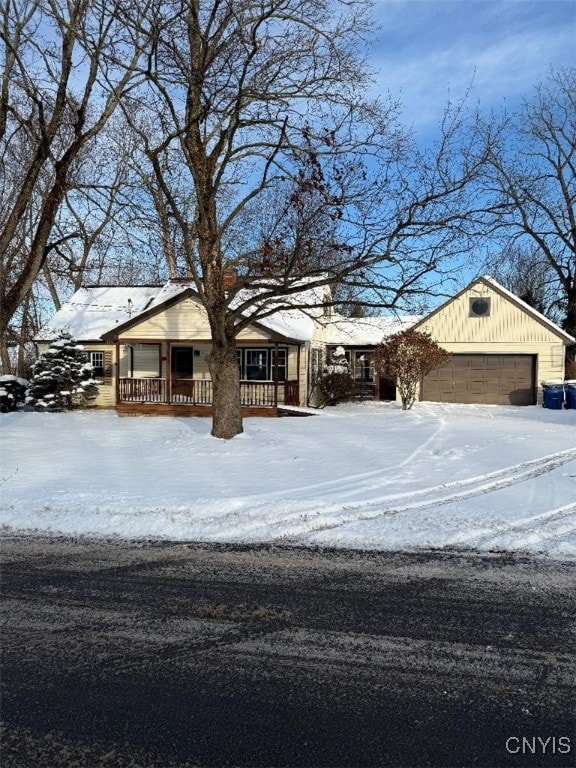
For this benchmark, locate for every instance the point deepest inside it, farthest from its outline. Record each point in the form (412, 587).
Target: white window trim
(92, 354)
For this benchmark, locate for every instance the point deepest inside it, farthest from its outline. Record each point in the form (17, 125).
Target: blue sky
(429, 50)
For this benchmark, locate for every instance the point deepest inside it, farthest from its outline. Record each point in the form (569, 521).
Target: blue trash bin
(570, 389)
(553, 394)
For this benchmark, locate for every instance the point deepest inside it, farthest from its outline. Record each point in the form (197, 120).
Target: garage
(483, 379)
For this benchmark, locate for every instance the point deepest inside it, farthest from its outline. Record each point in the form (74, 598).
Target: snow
(10, 378)
(367, 330)
(93, 311)
(90, 312)
(367, 476)
(298, 323)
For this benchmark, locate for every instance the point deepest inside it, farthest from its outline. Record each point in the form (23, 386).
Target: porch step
(292, 412)
(163, 409)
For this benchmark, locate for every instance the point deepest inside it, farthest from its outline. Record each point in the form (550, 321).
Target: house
(359, 337)
(149, 346)
(502, 349)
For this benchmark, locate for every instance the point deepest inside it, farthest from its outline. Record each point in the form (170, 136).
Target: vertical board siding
(506, 322)
(507, 330)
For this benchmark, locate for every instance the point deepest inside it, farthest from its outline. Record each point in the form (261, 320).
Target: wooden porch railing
(292, 392)
(192, 392)
(143, 390)
(257, 393)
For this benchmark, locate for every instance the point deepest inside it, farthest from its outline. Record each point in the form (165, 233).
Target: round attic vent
(480, 307)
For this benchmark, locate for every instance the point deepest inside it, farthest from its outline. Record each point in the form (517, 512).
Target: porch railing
(256, 393)
(143, 390)
(191, 392)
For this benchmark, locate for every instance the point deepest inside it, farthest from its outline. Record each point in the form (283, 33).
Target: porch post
(276, 374)
(168, 372)
(298, 371)
(117, 372)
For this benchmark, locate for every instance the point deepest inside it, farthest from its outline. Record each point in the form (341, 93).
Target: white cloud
(429, 51)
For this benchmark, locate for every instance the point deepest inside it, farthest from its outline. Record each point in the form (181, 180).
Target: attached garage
(501, 348)
(483, 379)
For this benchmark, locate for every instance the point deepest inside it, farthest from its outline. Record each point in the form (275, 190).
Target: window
(316, 365)
(480, 306)
(363, 366)
(97, 363)
(256, 364)
(259, 364)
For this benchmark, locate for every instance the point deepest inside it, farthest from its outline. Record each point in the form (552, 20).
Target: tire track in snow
(350, 480)
(471, 487)
(554, 516)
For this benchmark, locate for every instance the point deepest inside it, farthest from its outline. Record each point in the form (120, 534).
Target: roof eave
(112, 335)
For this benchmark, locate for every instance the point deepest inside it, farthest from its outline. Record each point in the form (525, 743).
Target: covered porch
(172, 378)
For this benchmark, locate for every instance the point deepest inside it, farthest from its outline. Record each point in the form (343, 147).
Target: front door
(182, 369)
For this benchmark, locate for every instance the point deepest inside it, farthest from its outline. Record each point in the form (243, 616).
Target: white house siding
(146, 359)
(186, 324)
(106, 391)
(183, 321)
(303, 379)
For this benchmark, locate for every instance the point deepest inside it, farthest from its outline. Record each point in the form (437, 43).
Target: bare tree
(532, 189)
(408, 357)
(525, 271)
(65, 65)
(252, 99)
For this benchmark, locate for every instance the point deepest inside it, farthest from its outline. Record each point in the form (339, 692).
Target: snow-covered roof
(92, 311)
(170, 290)
(358, 331)
(534, 312)
(298, 323)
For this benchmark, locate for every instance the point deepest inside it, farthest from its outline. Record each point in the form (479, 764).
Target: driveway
(171, 654)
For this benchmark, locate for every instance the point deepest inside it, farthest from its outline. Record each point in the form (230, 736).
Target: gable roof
(94, 310)
(509, 296)
(95, 313)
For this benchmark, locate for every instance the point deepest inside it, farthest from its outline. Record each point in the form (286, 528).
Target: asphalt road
(161, 654)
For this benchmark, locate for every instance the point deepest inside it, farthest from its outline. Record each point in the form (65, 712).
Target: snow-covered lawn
(363, 476)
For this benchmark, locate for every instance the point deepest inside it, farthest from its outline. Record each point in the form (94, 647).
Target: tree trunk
(569, 323)
(227, 419)
(569, 326)
(5, 366)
